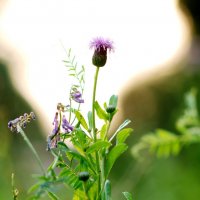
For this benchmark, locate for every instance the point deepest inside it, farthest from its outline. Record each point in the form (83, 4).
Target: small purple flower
(66, 125)
(55, 123)
(54, 136)
(77, 96)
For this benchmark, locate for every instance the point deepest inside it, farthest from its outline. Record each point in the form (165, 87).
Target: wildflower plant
(83, 153)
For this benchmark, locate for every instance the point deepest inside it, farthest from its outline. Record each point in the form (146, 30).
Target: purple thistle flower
(77, 96)
(101, 43)
(66, 125)
(100, 46)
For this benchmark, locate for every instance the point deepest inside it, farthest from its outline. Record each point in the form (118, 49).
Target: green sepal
(113, 100)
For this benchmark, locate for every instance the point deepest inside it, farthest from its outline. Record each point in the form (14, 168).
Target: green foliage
(115, 152)
(164, 143)
(107, 190)
(83, 153)
(100, 112)
(81, 120)
(128, 196)
(73, 69)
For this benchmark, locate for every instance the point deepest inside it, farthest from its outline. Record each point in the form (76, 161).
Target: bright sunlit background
(146, 34)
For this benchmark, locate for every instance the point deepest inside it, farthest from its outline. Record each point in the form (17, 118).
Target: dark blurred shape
(15, 156)
(193, 9)
(156, 102)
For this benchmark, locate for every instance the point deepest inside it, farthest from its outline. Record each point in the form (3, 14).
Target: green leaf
(52, 196)
(113, 100)
(62, 146)
(79, 195)
(33, 188)
(90, 119)
(102, 114)
(123, 134)
(68, 176)
(125, 123)
(75, 155)
(103, 131)
(128, 195)
(81, 119)
(98, 146)
(107, 190)
(115, 152)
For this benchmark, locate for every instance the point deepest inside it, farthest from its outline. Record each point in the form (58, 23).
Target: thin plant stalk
(14, 190)
(31, 147)
(94, 129)
(93, 102)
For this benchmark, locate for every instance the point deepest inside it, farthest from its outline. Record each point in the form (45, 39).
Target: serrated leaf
(98, 146)
(123, 134)
(115, 152)
(102, 114)
(128, 195)
(81, 119)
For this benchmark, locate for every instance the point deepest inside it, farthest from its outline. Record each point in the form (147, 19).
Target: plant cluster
(84, 154)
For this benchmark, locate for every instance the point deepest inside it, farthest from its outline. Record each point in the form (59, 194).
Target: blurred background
(156, 60)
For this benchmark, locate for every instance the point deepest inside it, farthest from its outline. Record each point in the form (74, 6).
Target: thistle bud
(100, 46)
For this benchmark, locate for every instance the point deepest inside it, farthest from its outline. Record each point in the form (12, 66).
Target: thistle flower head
(101, 43)
(100, 46)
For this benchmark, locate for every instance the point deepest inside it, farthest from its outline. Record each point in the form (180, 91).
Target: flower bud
(110, 109)
(100, 46)
(83, 176)
(99, 58)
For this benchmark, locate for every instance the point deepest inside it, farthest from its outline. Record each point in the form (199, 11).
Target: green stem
(93, 102)
(103, 162)
(31, 147)
(14, 190)
(94, 131)
(85, 190)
